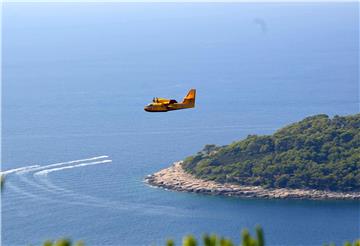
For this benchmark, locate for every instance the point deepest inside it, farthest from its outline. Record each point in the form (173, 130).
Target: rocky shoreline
(175, 178)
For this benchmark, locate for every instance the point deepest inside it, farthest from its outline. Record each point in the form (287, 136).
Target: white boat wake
(44, 190)
(31, 175)
(47, 171)
(38, 167)
(20, 169)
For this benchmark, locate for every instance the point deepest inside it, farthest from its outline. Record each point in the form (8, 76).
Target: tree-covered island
(317, 158)
(318, 152)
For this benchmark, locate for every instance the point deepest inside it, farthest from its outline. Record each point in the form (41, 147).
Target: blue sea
(77, 144)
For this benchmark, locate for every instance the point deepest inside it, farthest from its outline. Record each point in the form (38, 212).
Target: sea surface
(75, 79)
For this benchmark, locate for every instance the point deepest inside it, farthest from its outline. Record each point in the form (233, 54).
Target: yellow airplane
(164, 105)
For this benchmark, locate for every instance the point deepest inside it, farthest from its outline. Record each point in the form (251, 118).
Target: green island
(316, 158)
(318, 152)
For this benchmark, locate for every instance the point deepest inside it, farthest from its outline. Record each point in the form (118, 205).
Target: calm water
(76, 78)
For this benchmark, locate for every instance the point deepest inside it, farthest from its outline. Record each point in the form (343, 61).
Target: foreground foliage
(208, 240)
(63, 242)
(214, 240)
(317, 152)
(2, 179)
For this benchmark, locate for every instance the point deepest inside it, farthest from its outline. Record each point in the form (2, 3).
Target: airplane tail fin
(190, 98)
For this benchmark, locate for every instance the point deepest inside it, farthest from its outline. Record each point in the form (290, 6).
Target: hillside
(316, 153)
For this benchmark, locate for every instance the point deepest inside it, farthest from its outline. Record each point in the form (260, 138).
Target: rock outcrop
(175, 178)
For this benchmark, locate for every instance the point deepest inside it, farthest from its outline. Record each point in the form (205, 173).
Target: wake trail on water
(65, 192)
(27, 194)
(38, 167)
(20, 169)
(36, 176)
(47, 171)
(51, 200)
(60, 193)
(57, 192)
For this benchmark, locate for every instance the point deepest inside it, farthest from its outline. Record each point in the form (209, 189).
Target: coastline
(175, 178)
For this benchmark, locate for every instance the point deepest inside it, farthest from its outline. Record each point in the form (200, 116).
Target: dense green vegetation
(317, 152)
(62, 242)
(214, 240)
(208, 240)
